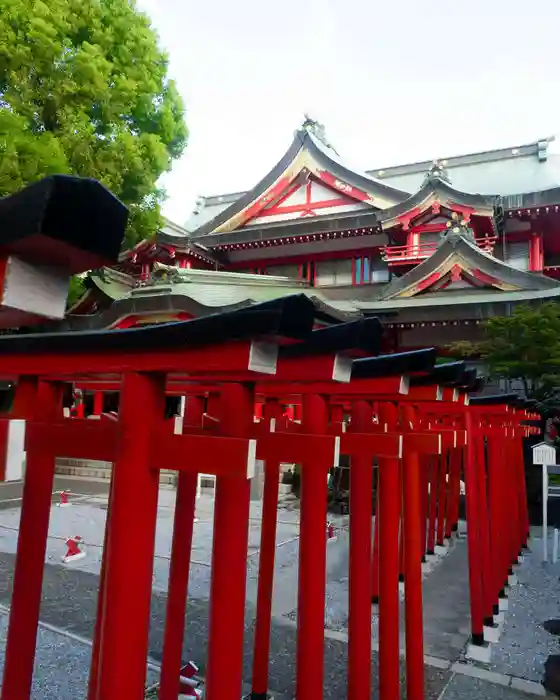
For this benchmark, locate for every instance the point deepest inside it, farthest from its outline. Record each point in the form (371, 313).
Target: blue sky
(393, 81)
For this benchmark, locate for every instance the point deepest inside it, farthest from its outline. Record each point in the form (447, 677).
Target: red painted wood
(390, 500)
(484, 526)
(425, 480)
(432, 511)
(93, 682)
(4, 434)
(413, 578)
(498, 508)
(307, 208)
(344, 187)
(126, 619)
(266, 564)
(360, 571)
(30, 557)
(375, 555)
(312, 559)
(231, 357)
(181, 547)
(473, 532)
(289, 192)
(254, 209)
(441, 499)
(229, 558)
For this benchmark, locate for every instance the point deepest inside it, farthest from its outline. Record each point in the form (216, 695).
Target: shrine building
(432, 248)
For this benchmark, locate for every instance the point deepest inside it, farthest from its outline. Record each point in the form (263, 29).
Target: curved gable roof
(435, 189)
(456, 249)
(305, 152)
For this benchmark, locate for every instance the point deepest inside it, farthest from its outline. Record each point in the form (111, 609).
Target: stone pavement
(69, 603)
(461, 687)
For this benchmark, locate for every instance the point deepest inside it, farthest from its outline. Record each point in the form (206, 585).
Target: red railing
(413, 253)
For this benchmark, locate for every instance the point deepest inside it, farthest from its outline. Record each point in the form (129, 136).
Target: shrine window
(333, 273)
(367, 270)
(283, 271)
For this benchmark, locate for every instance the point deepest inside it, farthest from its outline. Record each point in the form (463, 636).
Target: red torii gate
(304, 447)
(429, 405)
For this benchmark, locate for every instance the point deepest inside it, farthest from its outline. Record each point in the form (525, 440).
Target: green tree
(84, 90)
(75, 291)
(524, 346)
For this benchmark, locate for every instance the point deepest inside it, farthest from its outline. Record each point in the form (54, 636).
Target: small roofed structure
(49, 231)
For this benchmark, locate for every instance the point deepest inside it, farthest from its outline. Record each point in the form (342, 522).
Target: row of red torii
(400, 414)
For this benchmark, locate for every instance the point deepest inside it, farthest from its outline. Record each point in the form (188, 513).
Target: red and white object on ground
(73, 551)
(188, 685)
(330, 532)
(64, 499)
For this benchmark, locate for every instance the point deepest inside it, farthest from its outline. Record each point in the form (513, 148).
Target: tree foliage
(75, 291)
(84, 90)
(524, 346)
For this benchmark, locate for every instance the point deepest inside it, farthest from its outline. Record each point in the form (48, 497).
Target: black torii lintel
(449, 373)
(393, 365)
(362, 335)
(494, 399)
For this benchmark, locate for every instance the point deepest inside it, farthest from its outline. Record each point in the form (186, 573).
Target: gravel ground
(49, 683)
(467, 688)
(70, 592)
(87, 518)
(69, 602)
(524, 645)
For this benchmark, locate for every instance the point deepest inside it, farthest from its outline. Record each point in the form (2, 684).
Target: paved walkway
(69, 603)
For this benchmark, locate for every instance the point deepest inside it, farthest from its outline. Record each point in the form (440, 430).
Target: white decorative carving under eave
(544, 454)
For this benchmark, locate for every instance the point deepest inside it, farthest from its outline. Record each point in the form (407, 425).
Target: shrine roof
(436, 189)
(170, 236)
(524, 176)
(203, 292)
(503, 171)
(457, 250)
(307, 151)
